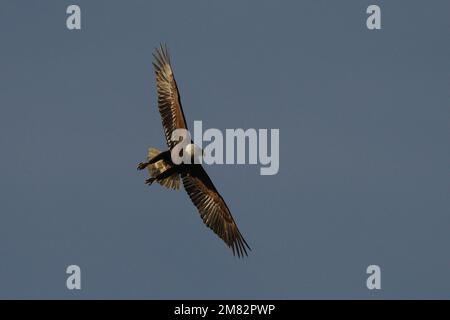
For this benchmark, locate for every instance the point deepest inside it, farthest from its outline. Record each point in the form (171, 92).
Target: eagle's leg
(160, 156)
(142, 165)
(162, 175)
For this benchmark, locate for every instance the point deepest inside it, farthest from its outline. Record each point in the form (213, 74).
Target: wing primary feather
(213, 210)
(169, 103)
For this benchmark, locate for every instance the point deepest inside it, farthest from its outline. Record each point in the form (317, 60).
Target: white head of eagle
(194, 152)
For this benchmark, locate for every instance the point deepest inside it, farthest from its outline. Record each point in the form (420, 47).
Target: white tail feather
(172, 182)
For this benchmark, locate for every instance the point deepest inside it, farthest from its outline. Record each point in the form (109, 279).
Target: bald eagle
(210, 204)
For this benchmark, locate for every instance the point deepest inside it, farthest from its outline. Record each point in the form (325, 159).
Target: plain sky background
(364, 151)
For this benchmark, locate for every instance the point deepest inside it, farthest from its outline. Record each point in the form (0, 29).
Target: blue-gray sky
(364, 159)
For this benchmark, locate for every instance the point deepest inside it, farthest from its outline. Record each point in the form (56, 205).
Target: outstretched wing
(213, 209)
(169, 103)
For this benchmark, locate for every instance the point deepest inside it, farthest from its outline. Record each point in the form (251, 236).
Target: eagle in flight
(210, 204)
